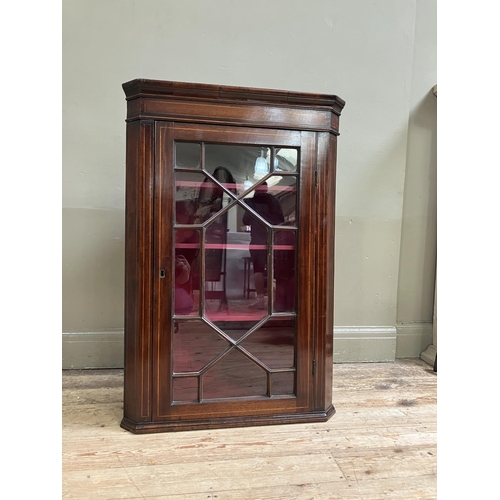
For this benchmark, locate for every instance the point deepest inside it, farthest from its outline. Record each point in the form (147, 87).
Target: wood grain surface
(381, 443)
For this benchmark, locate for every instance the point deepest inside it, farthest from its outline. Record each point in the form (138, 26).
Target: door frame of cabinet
(166, 134)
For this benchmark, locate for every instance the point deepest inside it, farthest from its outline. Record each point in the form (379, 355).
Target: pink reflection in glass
(197, 197)
(235, 269)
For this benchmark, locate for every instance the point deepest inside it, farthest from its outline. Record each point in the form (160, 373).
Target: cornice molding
(142, 87)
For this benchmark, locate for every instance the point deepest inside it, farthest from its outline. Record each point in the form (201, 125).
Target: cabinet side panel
(306, 265)
(138, 267)
(325, 248)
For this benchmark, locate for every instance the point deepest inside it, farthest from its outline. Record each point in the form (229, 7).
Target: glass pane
(195, 345)
(266, 204)
(273, 343)
(229, 284)
(234, 376)
(234, 165)
(187, 272)
(287, 160)
(284, 189)
(283, 384)
(284, 271)
(186, 389)
(187, 155)
(235, 272)
(197, 197)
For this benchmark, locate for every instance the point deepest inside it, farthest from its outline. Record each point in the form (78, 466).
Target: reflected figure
(210, 197)
(269, 208)
(209, 200)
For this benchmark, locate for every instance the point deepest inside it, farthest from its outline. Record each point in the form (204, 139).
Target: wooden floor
(381, 443)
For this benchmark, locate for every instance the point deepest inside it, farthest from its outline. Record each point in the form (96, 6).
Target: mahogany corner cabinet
(230, 219)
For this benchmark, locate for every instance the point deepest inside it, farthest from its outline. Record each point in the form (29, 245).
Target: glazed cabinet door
(234, 274)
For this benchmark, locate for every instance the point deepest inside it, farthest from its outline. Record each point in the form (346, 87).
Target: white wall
(379, 56)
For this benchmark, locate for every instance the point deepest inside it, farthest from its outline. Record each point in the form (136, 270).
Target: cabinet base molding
(219, 423)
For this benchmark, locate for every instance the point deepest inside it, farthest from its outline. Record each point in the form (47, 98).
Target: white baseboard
(413, 338)
(364, 344)
(352, 344)
(84, 350)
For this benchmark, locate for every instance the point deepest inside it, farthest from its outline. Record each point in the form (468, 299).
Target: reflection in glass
(267, 206)
(227, 266)
(185, 389)
(287, 159)
(234, 376)
(284, 271)
(285, 191)
(187, 155)
(235, 268)
(186, 272)
(197, 197)
(195, 345)
(273, 343)
(283, 384)
(187, 188)
(239, 160)
(212, 198)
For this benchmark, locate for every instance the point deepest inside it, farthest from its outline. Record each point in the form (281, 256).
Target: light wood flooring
(381, 443)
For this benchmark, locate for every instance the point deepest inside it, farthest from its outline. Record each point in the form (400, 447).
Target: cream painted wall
(418, 246)
(378, 55)
(416, 285)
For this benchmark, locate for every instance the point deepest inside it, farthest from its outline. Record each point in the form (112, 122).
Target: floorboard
(381, 443)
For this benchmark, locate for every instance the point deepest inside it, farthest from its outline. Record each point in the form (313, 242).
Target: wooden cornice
(225, 105)
(157, 88)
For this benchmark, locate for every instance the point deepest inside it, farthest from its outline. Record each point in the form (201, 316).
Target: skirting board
(352, 344)
(364, 344)
(413, 339)
(84, 350)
